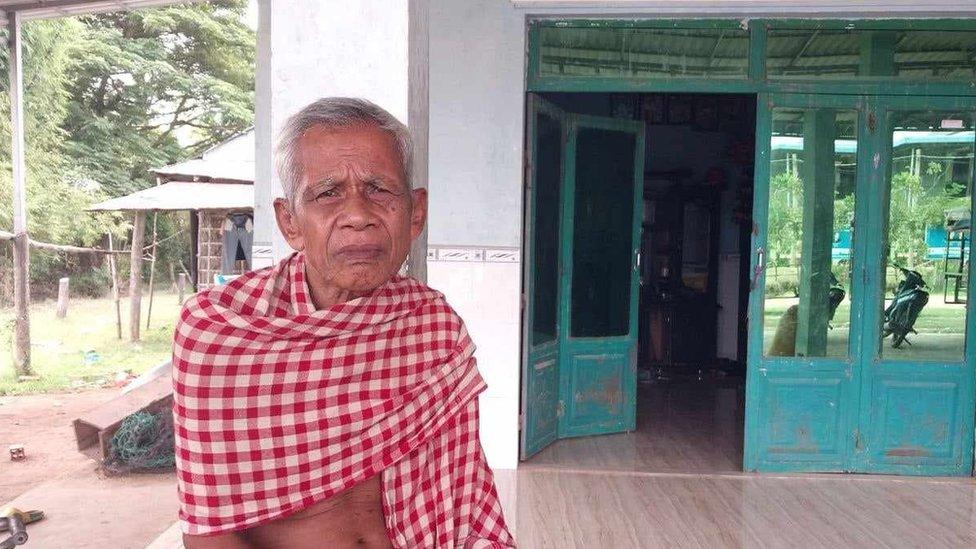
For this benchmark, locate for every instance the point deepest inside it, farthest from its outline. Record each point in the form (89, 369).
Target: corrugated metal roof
(756, 8)
(233, 159)
(183, 195)
(644, 51)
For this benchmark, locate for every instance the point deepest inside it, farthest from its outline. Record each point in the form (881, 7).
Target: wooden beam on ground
(135, 274)
(19, 172)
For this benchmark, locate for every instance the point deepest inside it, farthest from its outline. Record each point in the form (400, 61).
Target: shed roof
(183, 195)
(230, 160)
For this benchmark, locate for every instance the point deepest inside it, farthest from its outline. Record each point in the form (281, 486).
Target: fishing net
(144, 442)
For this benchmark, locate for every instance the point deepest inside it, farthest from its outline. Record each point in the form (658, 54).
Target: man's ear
(288, 225)
(418, 212)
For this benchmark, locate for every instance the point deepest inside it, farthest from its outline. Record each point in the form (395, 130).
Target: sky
(252, 14)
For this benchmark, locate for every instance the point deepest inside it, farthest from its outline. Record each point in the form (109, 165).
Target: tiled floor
(676, 482)
(684, 428)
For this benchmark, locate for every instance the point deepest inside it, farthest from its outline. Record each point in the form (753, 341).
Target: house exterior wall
(476, 120)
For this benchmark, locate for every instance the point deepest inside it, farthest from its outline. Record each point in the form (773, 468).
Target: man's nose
(357, 212)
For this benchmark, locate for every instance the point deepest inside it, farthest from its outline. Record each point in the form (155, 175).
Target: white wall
(476, 110)
(314, 48)
(311, 49)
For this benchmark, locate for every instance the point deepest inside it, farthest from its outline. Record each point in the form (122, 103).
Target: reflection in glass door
(917, 400)
(810, 228)
(862, 362)
(927, 236)
(802, 383)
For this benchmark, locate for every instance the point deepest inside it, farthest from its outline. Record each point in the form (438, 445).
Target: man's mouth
(360, 252)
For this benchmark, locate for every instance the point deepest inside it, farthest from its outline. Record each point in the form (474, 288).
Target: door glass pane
(627, 53)
(545, 230)
(853, 53)
(928, 237)
(602, 233)
(813, 174)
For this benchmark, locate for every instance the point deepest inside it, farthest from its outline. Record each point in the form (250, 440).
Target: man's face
(354, 215)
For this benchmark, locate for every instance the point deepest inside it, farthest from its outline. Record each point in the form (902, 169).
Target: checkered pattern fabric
(279, 406)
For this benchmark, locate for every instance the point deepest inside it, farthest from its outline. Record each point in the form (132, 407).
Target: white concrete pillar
(308, 49)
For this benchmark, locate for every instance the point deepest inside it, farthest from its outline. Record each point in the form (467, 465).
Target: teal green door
(546, 133)
(848, 188)
(579, 376)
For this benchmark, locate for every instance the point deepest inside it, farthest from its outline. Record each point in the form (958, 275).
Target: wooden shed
(217, 189)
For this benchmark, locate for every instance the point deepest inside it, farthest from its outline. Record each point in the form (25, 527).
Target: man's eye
(376, 188)
(328, 193)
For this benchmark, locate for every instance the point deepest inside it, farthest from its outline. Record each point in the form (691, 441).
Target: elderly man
(327, 401)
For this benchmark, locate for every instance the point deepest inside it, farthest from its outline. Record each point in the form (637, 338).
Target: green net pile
(144, 442)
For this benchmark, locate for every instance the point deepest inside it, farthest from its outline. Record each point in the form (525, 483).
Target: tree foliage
(107, 98)
(149, 76)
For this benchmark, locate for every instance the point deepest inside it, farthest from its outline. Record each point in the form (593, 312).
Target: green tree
(57, 193)
(149, 76)
(108, 97)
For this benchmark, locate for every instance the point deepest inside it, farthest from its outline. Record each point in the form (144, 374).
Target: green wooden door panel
(546, 142)
(804, 417)
(801, 383)
(598, 321)
(872, 409)
(917, 401)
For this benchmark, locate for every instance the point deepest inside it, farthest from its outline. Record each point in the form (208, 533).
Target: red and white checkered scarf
(279, 406)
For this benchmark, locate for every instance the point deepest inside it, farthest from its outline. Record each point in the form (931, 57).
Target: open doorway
(692, 209)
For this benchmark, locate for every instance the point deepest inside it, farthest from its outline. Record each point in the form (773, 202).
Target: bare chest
(352, 519)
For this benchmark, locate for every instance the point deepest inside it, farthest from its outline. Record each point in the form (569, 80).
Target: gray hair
(337, 112)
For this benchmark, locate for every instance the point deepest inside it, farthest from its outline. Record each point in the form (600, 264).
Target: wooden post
(19, 171)
(115, 287)
(135, 274)
(181, 286)
(63, 297)
(152, 271)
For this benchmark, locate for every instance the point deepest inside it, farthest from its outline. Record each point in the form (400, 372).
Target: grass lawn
(941, 330)
(59, 346)
(936, 317)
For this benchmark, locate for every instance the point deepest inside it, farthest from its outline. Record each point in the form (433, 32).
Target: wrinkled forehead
(366, 149)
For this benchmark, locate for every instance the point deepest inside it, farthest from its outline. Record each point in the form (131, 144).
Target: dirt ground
(127, 512)
(42, 423)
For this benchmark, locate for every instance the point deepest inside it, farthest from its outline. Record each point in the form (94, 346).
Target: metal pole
(21, 238)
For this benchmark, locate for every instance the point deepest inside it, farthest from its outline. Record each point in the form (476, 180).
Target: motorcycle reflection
(835, 294)
(903, 311)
